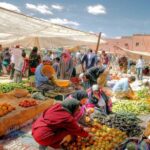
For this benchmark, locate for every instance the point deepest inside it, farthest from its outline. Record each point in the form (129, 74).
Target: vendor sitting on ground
(122, 88)
(56, 123)
(43, 82)
(99, 100)
(82, 97)
(90, 76)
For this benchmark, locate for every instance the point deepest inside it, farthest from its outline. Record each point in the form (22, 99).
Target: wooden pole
(37, 43)
(98, 42)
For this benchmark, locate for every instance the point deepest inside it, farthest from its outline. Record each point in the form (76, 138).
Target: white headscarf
(95, 87)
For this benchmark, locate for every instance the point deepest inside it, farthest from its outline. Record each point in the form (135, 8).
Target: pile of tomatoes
(28, 103)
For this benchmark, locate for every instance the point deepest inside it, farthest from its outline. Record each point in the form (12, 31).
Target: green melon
(131, 146)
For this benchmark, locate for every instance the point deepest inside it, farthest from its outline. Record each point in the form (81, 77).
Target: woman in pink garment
(66, 65)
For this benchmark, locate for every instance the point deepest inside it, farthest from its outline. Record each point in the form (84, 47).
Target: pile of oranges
(104, 138)
(5, 108)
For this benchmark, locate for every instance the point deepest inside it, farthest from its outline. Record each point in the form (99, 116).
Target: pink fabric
(67, 58)
(110, 104)
(25, 65)
(89, 105)
(90, 90)
(80, 113)
(106, 60)
(70, 96)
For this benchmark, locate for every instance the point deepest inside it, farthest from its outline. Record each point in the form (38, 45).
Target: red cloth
(75, 80)
(53, 125)
(25, 65)
(106, 60)
(32, 70)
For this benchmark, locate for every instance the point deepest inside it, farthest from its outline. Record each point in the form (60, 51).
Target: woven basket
(20, 93)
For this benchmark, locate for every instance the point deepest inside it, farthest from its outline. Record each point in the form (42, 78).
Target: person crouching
(57, 122)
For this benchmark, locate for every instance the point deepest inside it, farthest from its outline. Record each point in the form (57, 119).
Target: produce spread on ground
(109, 130)
(105, 138)
(17, 106)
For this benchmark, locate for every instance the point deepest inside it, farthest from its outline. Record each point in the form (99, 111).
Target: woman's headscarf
(92, 98)
(79, 95)
(70, 105)
(68, 56)
(95, 87)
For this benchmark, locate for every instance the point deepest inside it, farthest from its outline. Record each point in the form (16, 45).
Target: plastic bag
(38, 95)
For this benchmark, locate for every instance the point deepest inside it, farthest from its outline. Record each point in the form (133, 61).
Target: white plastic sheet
(16, 27)
(135, 54)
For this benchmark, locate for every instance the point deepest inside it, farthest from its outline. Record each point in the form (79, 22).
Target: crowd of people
(18, 63)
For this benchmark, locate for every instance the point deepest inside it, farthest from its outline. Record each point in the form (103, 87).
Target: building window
(137, 44)
(126, 44)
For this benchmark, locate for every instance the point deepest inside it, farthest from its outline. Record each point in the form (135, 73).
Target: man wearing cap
(43, 82)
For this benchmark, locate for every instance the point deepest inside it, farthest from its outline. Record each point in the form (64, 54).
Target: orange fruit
(93, 130)
(4, 107)
(87, 119)
(10, 108)
(1, 113)
(91, 110)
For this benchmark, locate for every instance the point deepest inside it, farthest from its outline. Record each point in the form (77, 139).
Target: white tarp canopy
(135, 54)
(44, 42)
(15, 27)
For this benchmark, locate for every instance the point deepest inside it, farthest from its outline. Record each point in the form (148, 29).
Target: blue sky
(114, 18)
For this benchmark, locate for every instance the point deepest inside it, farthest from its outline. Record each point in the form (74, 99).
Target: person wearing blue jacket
(43, 82)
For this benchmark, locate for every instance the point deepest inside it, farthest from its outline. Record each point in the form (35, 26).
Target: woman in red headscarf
(66, 66)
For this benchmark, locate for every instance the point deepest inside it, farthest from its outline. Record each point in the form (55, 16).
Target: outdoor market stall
(121, 124)
(109, 131)
(16, 118)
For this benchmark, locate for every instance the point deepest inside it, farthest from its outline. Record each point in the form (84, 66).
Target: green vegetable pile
(125, 122)
(7, 87)
(135, 107)
(143, 94)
